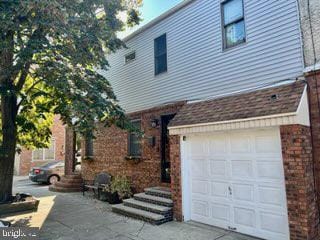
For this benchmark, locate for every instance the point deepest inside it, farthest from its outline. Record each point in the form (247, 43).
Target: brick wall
(298, 168)
(110, 148)
(58, 133)
(176, 188)
(313, 80)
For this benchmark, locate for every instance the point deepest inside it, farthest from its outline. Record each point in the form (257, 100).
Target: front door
(165, 148)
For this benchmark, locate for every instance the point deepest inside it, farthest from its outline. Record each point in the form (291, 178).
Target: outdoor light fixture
(154, 122)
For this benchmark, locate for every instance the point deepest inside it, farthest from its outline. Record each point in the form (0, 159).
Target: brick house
(227, 95)
(33, 158)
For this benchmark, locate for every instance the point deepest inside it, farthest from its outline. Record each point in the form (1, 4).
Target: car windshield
(52, 164)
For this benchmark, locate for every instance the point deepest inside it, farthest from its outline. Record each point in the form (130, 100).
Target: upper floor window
(130, 57)
(44, 154)
(160, 54)
(135, 140)
(233, 23)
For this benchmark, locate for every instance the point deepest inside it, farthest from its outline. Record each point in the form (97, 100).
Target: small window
(130, 57)
(44, 154)
(89, 146)
(135, 140)
(160, 54)
(233, 23)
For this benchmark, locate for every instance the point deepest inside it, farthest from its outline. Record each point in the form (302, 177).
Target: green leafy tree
(49, 50)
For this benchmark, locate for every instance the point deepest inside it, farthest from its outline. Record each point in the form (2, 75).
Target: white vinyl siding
(198, 66)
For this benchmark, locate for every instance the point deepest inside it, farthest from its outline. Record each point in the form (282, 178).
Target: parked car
(48, 173)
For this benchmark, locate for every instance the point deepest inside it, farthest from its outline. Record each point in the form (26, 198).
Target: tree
(49, 51)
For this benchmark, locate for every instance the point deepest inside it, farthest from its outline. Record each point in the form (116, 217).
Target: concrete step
(153, 199)
(70, 180)
(72, 176)
(158, 191)
(64, 190)
(150, 207)
(68, 185)
(150, 217)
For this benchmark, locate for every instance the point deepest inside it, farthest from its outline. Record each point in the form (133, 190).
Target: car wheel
(53, 179)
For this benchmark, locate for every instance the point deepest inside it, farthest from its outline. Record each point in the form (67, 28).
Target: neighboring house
(55, 152)
(225, 127)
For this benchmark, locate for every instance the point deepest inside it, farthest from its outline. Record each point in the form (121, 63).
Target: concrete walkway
(72, 216)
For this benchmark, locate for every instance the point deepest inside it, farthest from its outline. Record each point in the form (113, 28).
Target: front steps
(67, 184)
(153, 206)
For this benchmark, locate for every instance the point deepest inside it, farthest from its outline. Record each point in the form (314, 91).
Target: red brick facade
(110, 149)
(313, 80)
(58, 133)
(300, 150)
(298, 169)
(176, 177)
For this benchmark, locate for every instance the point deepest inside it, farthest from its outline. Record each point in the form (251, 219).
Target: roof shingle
(242, 106)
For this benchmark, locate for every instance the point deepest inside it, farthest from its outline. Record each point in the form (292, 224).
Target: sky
(150, 10)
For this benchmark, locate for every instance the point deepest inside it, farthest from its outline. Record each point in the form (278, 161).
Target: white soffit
(301, 116)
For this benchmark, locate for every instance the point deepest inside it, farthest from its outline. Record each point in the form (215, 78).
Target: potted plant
(119, 189)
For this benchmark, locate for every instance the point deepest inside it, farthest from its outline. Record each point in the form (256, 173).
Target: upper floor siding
(198, 65)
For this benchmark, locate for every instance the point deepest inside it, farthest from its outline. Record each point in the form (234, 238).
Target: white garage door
(237, 182)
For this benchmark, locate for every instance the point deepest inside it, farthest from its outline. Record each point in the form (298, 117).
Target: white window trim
(53, 140)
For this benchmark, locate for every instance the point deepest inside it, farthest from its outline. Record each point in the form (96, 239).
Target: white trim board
(301, 116)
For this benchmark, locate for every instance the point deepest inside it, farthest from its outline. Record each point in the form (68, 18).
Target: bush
(120, 185)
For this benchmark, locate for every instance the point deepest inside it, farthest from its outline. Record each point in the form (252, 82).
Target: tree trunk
(9, 140)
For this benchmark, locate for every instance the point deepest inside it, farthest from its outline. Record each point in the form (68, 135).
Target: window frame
(131, 60)
(130, 141)
(224, 26)
(43, 152)
(160, 55)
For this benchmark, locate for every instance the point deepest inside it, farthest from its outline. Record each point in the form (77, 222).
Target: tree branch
(29, 90)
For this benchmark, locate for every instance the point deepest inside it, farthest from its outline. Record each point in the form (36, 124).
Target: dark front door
(165, 148)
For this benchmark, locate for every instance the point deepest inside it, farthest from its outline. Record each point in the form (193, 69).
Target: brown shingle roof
(241, 106)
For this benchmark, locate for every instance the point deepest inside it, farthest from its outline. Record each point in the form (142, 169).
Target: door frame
(164, 133)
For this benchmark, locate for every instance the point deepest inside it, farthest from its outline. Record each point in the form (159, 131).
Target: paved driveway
(72, 216)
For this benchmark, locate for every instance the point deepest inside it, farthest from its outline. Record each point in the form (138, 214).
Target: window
(134, 145)
(130, 57)
(233, 23)
(160, 54)
(89, 146)
(45, 154)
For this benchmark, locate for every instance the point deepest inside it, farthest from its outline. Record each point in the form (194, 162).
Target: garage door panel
(220, 189)
(242, 169)
(240, 144)
(270, 170)
(217, 145)
(271, 195)
(243, 192)
(200, 208)
(244, 217)
(220, 212)
(200, 167)
(273, 222)
(218, 168)
(201, 187)
(266, 144)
